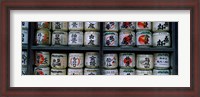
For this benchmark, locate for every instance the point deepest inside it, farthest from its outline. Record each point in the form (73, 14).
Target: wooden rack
(31, 48)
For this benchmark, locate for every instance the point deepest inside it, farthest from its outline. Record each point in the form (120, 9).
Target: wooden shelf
(136, 49)
(68, 48)
(31, 48)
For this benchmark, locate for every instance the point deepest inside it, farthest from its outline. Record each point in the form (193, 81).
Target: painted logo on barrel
(144, 39)
(39, 72)
(75, 61)
(142, 24)
(110, 25)
(42, 38)
(43, 24)
(91, 25)
(110, 61)
(163, 26)
(163, 42)
(127, 61)
(126, 25)
(146, 62)
(110, 40)
(41, 59)
(127, 40)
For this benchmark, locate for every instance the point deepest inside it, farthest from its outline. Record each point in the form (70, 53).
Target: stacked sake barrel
(125, 37)
(42, 58)
(24, 42)
(72, 34)
(91, 39)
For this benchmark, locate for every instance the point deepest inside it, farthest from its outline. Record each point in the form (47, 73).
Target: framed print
(100, 48)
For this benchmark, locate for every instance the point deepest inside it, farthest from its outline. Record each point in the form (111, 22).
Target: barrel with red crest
(143, 25)
(42, 58)
(127, 25)
(76, 60)
(41, 71)
(144, 38)
(127, 38)
(43, 37)
(127, 60)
